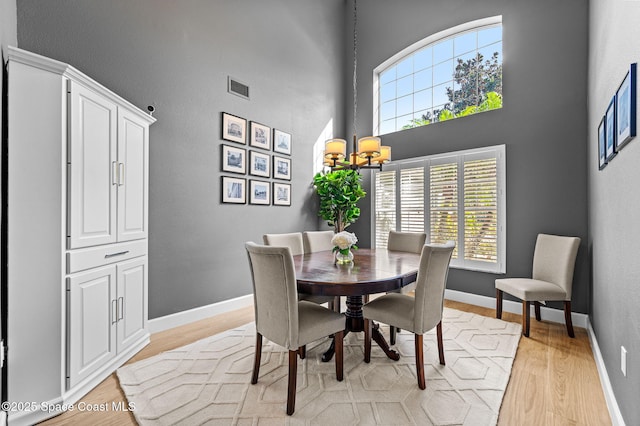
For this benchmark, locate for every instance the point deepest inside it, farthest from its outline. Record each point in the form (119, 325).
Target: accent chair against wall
(554, 260)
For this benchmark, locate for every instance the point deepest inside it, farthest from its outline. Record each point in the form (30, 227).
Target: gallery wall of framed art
(265, 155)
(618, 125)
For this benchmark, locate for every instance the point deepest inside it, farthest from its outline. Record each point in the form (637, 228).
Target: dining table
(371, 271)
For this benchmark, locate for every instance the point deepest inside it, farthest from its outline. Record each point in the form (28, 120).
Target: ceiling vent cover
(237, 88)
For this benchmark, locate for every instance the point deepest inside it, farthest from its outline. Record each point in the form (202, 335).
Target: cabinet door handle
(114, 173)
(120, 253)
(114, 312)
(120, 174)
(120, 308)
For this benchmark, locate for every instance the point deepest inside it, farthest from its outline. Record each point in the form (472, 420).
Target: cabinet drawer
(81, 259)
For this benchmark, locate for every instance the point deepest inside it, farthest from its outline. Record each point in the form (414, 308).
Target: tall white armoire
(77, 228)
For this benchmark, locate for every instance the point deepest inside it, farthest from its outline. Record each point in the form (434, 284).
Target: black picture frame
(281, 142)
(234, 128)
(233, 190)
(259, 164)
(281, 168)
(259, 192)
(281, 194)
(610, 130)
(233, 159)
(260, 136)
(602, 144)
(626, 108)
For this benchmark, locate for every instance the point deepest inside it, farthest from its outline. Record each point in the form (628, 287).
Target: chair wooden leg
(440, 345)
(498, 304)
(392, 335)
(303, 351)
(420, 361)
(526, 306)
(367, 340)
(536, 306)
(567, 318)
(291, 390)
(256, 361)
(339, 338)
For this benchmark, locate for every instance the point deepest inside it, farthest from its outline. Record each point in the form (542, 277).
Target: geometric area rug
(208, 382)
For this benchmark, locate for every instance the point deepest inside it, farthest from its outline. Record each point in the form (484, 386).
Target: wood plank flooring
(554, 380)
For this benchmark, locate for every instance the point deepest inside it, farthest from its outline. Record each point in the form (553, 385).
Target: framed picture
(602, 145)
(281, 142)
(610, 130)
(259, 192)
(260, 136)
(233, 190)
(281, 168)
(626, 109)
(234, 128)
(234, 159)
(259, 164)
(281, 194)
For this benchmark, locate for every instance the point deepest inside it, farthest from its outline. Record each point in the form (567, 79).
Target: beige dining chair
(282, 318)
(294, 241)
(411, 242)
(554, 260)
(417, 314)
(313, 242)
(317, 241)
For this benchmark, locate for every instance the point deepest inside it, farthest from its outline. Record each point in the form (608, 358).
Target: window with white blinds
(412, 199)
(385, 206)
(466, 204)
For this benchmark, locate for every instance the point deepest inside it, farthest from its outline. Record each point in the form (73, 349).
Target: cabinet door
(93, 169)
(133, 164)
(132, 301)
(91, 323)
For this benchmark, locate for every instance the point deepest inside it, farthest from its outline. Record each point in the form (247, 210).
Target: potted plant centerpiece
(339, 192)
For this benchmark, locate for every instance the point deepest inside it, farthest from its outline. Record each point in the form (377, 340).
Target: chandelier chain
(355, 64)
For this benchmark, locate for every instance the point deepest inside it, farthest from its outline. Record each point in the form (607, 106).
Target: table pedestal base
(355, 322)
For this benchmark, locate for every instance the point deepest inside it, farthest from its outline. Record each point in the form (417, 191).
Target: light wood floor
(554, 380)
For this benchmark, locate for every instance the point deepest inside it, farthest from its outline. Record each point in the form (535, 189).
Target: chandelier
(367, 152)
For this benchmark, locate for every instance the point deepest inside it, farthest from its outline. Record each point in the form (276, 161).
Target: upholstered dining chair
(284, 320)
(295, 242)
(554, 260)
(410, 242)
(317, 241)
(417, 314)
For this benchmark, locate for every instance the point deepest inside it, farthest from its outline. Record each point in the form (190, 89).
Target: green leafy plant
(339, 192)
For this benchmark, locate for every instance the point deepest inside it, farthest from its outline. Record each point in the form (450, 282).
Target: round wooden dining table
(372, 271)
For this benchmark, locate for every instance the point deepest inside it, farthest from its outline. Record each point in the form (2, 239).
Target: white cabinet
(77, 215)
(92, 168)
(108, 167)
(107, 314)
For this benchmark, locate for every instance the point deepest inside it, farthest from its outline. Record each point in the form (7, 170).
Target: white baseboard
(612, 404)
(548, 314)
(181, 318)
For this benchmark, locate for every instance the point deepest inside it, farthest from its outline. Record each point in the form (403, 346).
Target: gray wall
(542, 123)
(177, 56)
(614, 205)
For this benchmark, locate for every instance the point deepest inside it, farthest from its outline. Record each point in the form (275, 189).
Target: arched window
(451, 74)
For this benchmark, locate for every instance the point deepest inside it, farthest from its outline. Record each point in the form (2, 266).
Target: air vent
(237, 88)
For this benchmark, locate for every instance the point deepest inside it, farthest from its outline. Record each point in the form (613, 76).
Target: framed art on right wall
(610, 130)
(626, 108)
(602, 145)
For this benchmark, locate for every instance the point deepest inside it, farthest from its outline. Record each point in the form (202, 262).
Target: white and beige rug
(208, 382)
